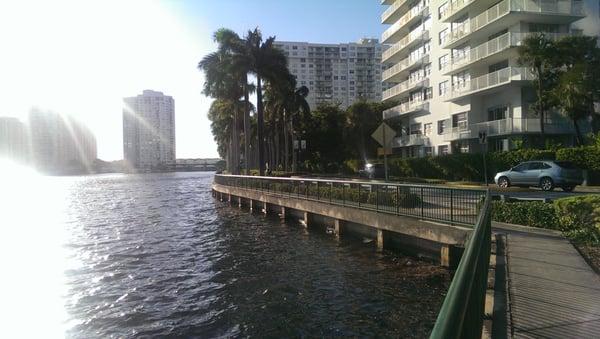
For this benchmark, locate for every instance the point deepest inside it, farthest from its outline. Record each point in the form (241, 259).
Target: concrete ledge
(437, 232)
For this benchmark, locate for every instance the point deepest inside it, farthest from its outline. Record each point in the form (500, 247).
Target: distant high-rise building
(149, 131)
(336, 73)
(13, 139)
(60, 143)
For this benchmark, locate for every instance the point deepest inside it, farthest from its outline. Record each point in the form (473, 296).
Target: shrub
(579, 217)
(531, 213)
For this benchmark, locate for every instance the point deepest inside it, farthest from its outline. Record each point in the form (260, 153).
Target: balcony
(492, 51)
(513, 11)
(404, 87)
(406, 108)
(401, 69)
(399, 50)
(410, 140)
(488, 83)
(394, 12)
(507, 127)
(401, 27)
(387, 2)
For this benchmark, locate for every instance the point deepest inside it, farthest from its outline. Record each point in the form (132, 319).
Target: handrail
(461, 315)
(455, 206)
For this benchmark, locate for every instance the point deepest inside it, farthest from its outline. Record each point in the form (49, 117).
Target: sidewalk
(553, 292)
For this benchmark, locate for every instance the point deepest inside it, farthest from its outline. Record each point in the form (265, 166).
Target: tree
(574, 97)
(224, 76)
(537, 52)
(266, 62)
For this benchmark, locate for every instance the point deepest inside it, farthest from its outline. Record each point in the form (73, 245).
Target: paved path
(554, 293)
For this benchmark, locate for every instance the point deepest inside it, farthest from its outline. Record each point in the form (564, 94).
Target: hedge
(577, 217)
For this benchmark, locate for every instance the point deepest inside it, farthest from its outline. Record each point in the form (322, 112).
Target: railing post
(397, 200)
(343, 194)
(451, 207)
(376, 197)
(331, 192)
(318, 192)
(422, 203)
(359, 185)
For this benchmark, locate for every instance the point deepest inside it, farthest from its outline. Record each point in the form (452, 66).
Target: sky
(81, 57)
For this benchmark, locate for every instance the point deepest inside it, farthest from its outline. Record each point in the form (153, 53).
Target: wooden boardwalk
(553, 292)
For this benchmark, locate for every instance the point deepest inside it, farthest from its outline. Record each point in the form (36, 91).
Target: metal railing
(489, 80)
(509, 126)
(393, 8)
(404, 43)
(405, 86)
(461, 315)
(449, 205)
(415, 12)
(403, 65)
(406, 108)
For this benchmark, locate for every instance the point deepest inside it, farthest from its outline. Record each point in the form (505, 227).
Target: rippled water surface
(156, 255)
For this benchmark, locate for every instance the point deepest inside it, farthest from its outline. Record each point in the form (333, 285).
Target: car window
(566, 164)
(536, 166)
(545, 166)
(522, 167)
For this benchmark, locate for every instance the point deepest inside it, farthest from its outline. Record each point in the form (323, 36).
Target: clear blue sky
(327, 21)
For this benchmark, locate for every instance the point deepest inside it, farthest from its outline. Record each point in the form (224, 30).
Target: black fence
(448, 205)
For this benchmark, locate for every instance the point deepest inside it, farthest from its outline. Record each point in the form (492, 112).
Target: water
(155, 255)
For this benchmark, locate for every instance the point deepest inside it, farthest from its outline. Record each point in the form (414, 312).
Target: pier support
(307, 219)
(229, 199)
(379, 240)
(251, 204)
(239, 202)
(282, 214)
(265, 209)
(338, 226)
(449, 256)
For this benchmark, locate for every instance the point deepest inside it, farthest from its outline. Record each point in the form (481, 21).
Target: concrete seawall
(440, 242)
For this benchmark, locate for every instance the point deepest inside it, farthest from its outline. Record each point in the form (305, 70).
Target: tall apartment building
(336, 73)
(14, 139)
(455, 65)
(149, 131)
(60, 143)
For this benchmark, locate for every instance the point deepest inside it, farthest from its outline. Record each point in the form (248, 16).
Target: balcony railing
(501, 9)
(392, 9)
(454, 7)
(402, 44)
(496, 45)
(410, 140)
(509, 126)
(404, 87)
(406, 108)
(403, 65)
(415, 12)
(488, 81)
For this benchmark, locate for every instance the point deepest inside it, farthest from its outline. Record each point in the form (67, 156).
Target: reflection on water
(132, 255)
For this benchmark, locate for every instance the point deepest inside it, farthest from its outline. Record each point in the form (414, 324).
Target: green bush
(531, 213)
(586, 157)
(579, 217)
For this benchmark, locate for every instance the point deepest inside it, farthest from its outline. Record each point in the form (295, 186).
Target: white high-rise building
(455, 66)
(59, 143)
(14, 139)
(336, 73)
(149, 131)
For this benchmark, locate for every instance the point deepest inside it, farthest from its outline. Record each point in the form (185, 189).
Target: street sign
(303, 144)
(295, 144)
(482, 138)
(378, 135)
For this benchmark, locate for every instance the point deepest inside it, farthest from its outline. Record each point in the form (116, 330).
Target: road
(536, 193)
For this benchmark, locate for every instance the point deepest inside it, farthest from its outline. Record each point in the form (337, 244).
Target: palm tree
(266, 62)
(223, 81)
(536, 52)
(574, 97)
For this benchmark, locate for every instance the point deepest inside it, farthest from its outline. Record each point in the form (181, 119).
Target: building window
(428, 151)
(442, 9)
(441, 126)
(294, 47)
(415, 129)
(427, 70)
(443, 35)
(443, 61)
(460, 120)
(428, 93)
(497, 113)
(427, 129)
(443, 150)
(443, 87)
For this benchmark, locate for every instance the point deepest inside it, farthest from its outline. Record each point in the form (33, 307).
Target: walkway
(554, 293)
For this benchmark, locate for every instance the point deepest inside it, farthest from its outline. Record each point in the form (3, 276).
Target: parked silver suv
(544, 174)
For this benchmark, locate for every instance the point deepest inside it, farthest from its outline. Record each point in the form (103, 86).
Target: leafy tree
(574, 98)
(537, 52)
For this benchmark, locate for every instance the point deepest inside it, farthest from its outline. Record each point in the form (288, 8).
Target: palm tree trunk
(294, 160)
(260, 121)
(286, 143)
(541, 107)
(246, 125)
(235, 133)
(578, 137)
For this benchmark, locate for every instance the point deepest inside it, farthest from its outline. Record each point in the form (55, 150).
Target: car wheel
(546, 184)
(569, 188)
(503, 182)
